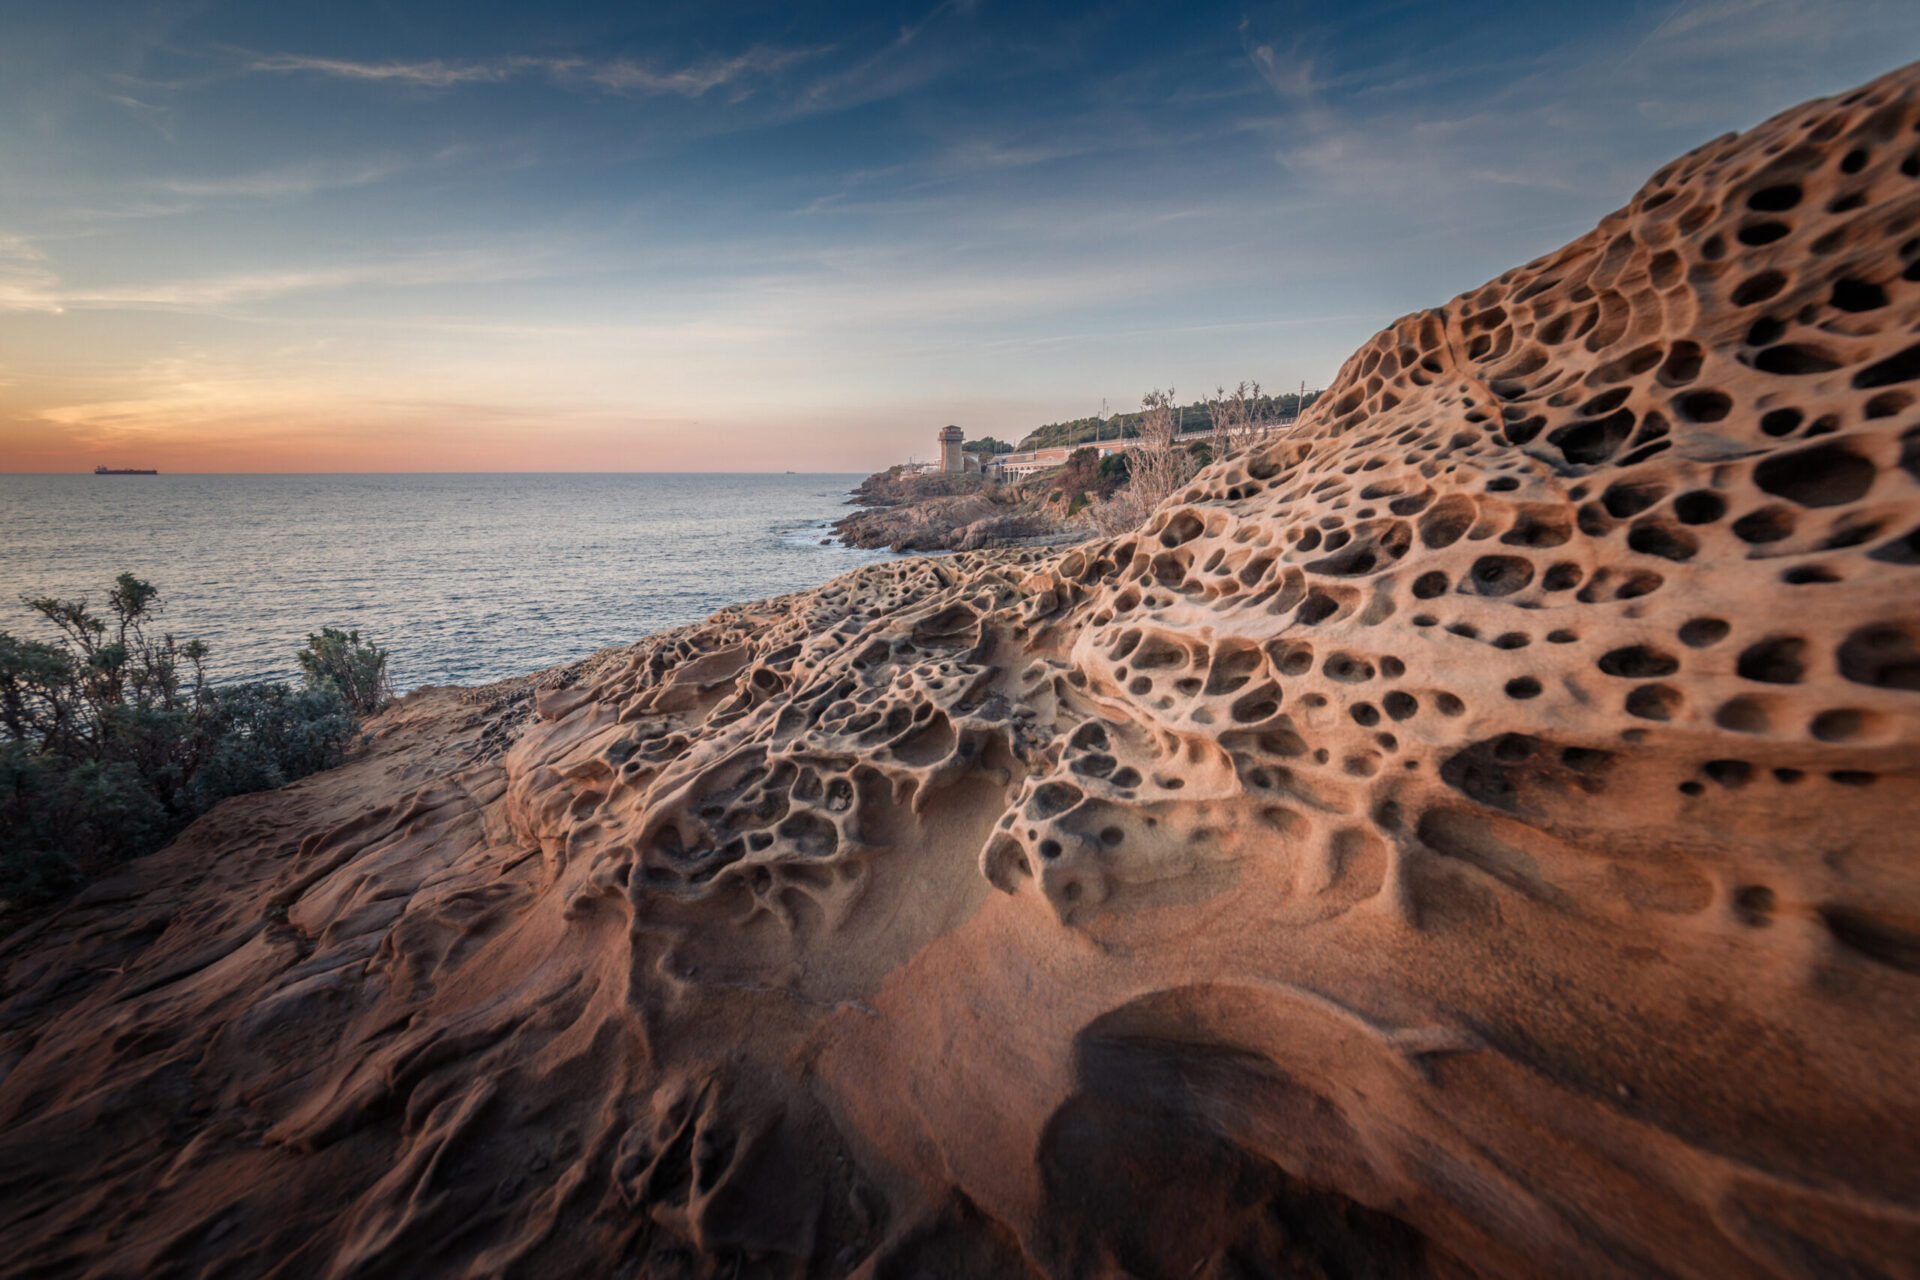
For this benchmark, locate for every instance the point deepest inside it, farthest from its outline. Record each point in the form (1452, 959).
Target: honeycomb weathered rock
(1475, 833)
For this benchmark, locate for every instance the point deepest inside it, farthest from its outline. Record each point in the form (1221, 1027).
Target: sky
(464, 236)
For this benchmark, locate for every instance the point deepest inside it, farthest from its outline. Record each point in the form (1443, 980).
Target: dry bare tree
(1156, 466)
(1239, 419)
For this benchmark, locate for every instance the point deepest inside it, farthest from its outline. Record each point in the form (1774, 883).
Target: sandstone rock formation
(1475, 835)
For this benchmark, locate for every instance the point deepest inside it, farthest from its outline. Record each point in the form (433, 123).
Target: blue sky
(404, 236)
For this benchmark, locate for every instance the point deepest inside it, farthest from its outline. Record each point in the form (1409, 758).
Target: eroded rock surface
(1475, 835)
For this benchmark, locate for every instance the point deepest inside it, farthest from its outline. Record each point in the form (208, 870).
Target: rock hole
(1768, 524)
(1731, 774)
(1590, 443)
(1764, 232)
(1639, 584)
(1774, 660)
(1703, 406)
(1638, 662)
(1682, 364)
(1501, 575)
(1563, 576)
(1901, 367)
(1653, 702)
(1799, 360)
(1868, 935)
(1826, 475)
(1753, 905)
(1699, 506)
(1758, 288)
(1651, 537)
(1315, 609)
(1850, 294)
(1347, 669)
(1781, 422)
(1742, 715)
(1881, 656)
(1626, 498)
(1449, 519)
(1844, 724)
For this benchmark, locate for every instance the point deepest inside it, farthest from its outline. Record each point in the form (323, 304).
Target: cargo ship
(122, 471)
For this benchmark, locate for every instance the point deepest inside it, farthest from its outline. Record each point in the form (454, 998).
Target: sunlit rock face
(1475, 834)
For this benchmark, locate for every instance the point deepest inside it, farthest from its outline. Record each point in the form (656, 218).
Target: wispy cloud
(431, 74)
(616, 75)
(694, 80)
(904, 64)
(28, 281)
(158, 116)
(283, 182)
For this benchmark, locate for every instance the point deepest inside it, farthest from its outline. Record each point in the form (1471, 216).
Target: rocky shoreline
(953, 513)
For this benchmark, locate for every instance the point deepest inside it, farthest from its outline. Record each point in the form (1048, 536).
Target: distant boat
(122, 471)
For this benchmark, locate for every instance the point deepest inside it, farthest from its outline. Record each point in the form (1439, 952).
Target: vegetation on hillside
(1198, 416)
(1118, 492)
(987, 444)
(112, 739)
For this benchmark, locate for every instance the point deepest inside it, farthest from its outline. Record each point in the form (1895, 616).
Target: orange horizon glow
(247, 239)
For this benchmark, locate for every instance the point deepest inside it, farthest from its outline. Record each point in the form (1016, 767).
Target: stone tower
(951, 456)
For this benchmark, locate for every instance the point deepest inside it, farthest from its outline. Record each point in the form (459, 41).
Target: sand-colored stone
(1475, 835)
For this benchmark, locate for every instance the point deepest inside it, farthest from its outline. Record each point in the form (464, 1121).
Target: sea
(463, 579)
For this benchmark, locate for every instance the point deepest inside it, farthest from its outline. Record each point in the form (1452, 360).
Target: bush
(266, 735)
(337, 660)
(112, 740)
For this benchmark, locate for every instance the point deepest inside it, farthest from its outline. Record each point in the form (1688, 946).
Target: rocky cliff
(941, 512)
(1475, 836)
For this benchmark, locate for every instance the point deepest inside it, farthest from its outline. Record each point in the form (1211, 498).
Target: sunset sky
(466, 236)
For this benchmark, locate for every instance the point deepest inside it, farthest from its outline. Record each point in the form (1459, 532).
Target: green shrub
(264, 736)
(112, 740)
(337, 660)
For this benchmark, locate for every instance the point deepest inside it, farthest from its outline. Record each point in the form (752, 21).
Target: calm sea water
(464, 579)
